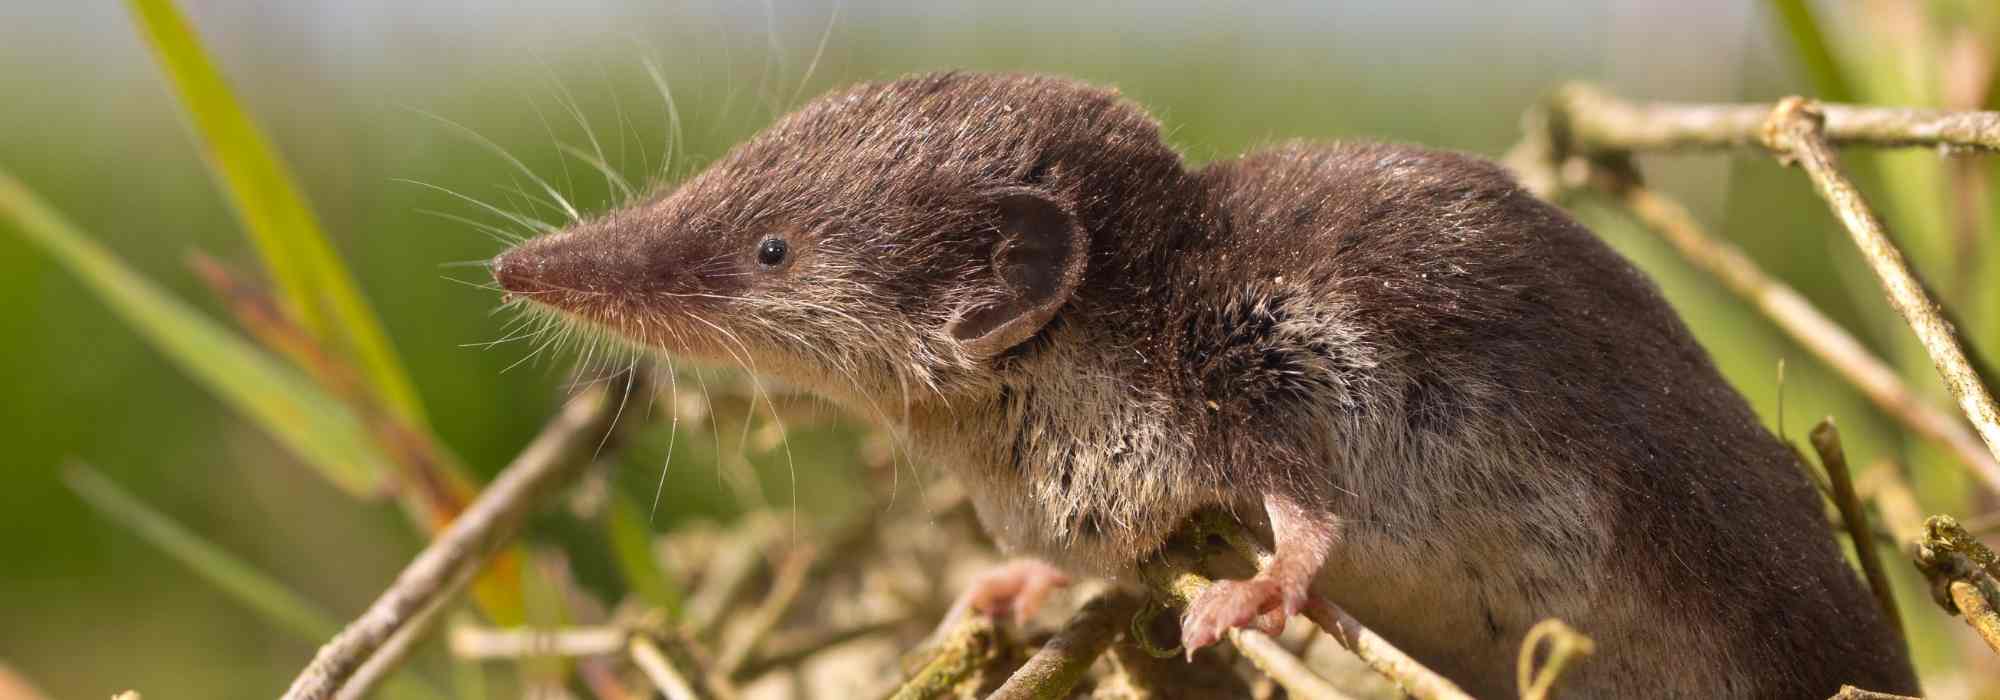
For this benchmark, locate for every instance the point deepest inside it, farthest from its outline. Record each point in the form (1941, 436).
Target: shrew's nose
(518, 271)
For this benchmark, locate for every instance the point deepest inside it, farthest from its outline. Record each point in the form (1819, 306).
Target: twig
(786, 650)
(1416, 679)
(439, 570)
(478, 643)
(785, 586)
(658, 669)
(1065, 658)
(1962, 570)
(732, 567)
(1848, 692)
(1171, 574)
(1826, 441)
(968, 646)
(1599, 123)
(381, 666)
(1283, 667)
(1665, 217)
(1812, 329)
(1565, 645)
(1797, 131)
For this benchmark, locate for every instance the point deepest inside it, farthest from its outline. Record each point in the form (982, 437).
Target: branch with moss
(1064, 660)
(1961, 570)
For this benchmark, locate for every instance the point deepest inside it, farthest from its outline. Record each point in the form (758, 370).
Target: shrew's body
(1459, 411)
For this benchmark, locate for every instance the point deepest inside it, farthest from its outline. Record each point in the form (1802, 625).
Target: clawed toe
(1227, 605)
(1018, 587)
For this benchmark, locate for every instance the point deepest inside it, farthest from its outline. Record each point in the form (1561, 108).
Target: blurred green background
(344, 89)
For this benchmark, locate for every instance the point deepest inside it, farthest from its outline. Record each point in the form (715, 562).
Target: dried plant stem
(1599, 123)
(1975, 600)
(1283, 667)
(965, 648)
(440, 571)
(1848, 692)
(1170, 575)
(477, 643)
(660, 670)
(1810, 328)
(786, 584)
(1961, 569)
(384, 662)
(1854, 517)
(1797, 132)
(1065, 658)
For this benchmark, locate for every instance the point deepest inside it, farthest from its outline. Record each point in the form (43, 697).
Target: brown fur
(1507, 419)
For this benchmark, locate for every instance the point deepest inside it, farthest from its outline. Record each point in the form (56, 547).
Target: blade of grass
(632, 548)
(321, 430)
(315, 285)
(1809, 43)
(284, 608)
(278, 604)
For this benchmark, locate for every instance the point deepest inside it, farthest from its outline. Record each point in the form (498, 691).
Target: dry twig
(440, 571)
(1579, 113)
(1797, 132)
(1826, 441)
(1171, 574)
(1962, 570)
(1598, 123)
(1065, 658)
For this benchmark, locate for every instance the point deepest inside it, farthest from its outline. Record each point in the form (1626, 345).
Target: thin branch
(1961, 569)
(1848, 692)
(383, 663)
(660, 670)
(1826, 441)
(1170, 574)
(439, 571)
(1283, 667)
(479, 643)
(786, 584)
(1598, 123)
(1066, 657)
(1797, 131)
(1539, 158)
(960, 654)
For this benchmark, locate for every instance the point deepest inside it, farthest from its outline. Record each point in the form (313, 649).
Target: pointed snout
(517, 271)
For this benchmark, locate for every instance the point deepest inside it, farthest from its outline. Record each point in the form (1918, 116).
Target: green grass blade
(278, 397)
(1809, 43)
(284, 608)
(632, 548)
(310, 277)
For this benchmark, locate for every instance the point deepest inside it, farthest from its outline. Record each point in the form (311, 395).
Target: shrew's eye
(772, 252)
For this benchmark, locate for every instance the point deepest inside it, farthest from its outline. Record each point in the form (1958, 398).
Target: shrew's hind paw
(1227, 605)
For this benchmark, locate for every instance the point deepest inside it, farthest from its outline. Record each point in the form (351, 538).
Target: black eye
(772, 252)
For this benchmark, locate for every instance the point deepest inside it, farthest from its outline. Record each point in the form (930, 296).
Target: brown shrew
(1457, 410)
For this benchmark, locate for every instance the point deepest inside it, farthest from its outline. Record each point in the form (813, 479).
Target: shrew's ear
(1038, 261)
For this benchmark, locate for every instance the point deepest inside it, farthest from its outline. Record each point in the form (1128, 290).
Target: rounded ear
(1038, 261)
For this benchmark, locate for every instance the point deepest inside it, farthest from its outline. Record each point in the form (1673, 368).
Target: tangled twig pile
(1579, 140)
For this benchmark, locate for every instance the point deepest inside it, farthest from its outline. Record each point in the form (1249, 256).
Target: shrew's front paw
(1227, 605)
(1018, 587)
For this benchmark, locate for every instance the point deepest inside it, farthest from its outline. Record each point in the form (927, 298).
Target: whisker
(496, 148)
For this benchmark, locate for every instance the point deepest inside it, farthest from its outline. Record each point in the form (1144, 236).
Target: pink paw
(1227, 605)
(1019, 587)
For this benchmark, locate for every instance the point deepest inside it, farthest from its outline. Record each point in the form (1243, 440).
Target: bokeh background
(355, 93)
